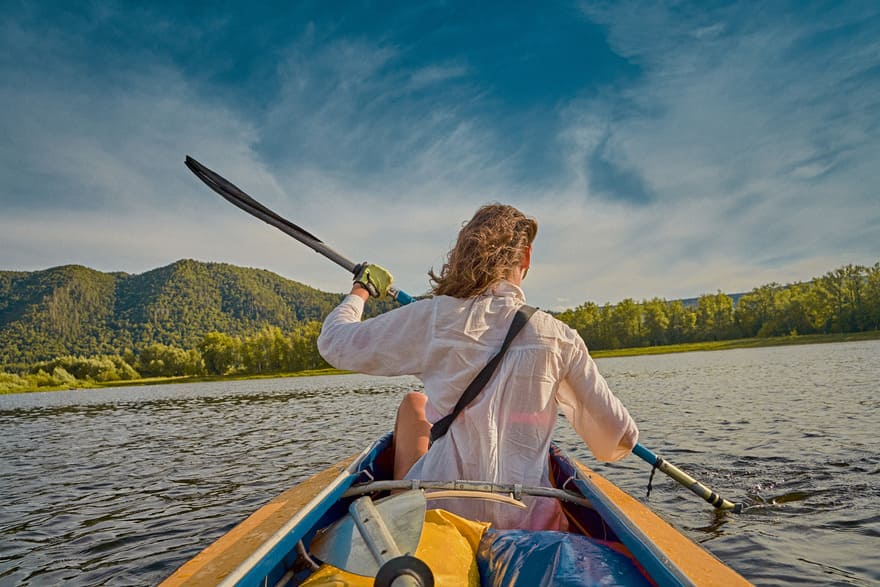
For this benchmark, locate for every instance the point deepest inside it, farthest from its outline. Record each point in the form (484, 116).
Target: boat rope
(302, 550)
(284, 580)
(656, 466)
(515, 490)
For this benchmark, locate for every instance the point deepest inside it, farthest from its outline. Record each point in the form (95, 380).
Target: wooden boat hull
(262, 550)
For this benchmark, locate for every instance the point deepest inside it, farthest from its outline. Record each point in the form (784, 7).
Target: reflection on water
(120, 486)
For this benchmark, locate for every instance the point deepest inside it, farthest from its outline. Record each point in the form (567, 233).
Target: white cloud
(759, 168)
(759, 162)
(431, 75)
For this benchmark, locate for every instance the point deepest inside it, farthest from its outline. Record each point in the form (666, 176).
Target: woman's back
(504, 434)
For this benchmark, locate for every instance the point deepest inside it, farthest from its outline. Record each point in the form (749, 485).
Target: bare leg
(412, 433)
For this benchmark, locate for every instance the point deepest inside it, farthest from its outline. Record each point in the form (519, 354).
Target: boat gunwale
(294, 529)
(639, 526)
(665, 554)
(646, 551)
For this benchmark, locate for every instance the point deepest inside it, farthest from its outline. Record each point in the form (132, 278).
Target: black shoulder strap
(476, 386)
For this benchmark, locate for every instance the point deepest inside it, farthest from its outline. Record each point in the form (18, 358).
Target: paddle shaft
(242, 200)
(685, 480)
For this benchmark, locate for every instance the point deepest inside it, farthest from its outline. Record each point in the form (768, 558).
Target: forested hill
(74, 310)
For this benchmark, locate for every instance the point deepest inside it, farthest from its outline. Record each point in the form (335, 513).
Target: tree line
(844, 300)
(266, 351)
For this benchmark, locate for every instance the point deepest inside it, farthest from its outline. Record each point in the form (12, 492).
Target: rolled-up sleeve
(596, 414)
(393, 343)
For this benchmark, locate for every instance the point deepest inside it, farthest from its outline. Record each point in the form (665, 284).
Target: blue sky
(666, 149)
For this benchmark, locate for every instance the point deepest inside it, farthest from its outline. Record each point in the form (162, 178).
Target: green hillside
(64, 310)
(74, 310)
(192, 318)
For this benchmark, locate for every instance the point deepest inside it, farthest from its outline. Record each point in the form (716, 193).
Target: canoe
(281, 543)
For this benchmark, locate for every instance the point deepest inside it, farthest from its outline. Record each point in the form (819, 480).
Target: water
(121, 486)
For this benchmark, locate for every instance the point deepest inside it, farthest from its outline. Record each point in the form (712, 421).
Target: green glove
(376, 280)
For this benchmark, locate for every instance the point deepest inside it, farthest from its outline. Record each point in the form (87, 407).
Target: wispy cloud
(434, 74)
(702, 150)
(749, 147)
(350, 110)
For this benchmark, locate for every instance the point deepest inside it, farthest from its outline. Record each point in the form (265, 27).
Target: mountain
(694, 302)
(75, 310)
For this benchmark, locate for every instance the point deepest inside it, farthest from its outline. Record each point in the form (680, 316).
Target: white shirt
(503, 436)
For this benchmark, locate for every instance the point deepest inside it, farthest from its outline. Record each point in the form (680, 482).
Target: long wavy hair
(489, 247)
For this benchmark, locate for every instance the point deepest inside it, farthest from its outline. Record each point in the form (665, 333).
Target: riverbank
(86, 385)
(739, 343)
(210, 378)
(720, 345)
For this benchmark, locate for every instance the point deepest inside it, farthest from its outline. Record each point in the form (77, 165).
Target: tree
(844, 288)
(682, 322)
(755, 309)
(304, 354)
(220, 352)
(872, 297)
(715, 316)
(159, 360)
(656, 321)
(97, 368)
(267, 351)
(586, 320)
(626, 323)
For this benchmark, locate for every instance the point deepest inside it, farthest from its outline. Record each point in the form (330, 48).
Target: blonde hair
(489, 247)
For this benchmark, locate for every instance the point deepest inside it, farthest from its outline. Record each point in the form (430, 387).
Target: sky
(667, 149)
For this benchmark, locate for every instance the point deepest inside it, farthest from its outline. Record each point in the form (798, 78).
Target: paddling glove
(376, 280)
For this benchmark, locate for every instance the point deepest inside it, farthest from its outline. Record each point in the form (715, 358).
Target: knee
(413, 403)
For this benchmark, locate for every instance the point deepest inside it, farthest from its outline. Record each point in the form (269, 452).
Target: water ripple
(119, 487)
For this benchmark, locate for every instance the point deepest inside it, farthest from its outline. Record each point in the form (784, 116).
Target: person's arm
(360, 291)
(594, 411)
(393, 343)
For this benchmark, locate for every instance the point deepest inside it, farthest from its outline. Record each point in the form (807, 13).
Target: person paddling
(504, 432)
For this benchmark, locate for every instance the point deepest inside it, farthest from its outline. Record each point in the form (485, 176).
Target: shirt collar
(505, 288)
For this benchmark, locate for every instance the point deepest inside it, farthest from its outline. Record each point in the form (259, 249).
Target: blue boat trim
(655, 562)
(262, 566)
(246, 558)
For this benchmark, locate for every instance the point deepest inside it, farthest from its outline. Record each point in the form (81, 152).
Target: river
(120, 486)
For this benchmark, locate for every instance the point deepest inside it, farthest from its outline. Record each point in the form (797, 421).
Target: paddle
(685, 480)
(240, 199)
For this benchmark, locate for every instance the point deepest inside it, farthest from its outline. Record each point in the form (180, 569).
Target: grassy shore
(720, 345)
(739, 343)
(181, 379)
(202, 378)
